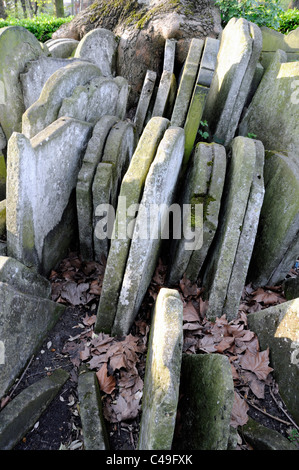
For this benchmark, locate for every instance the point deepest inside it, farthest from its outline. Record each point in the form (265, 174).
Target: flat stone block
(144, 100)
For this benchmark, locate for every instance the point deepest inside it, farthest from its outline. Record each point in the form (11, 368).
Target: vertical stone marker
(277, 242)
(131, 193)
(60, 85)
(162, 374)
(208, 62)
(187, 83)
(17, 47)
(150, 224)
(92, 158)
(41, 179)
(240, 47)
(144, 100)
(100, 47)
(169, 55)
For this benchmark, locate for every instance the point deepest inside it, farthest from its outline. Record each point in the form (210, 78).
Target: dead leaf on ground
(239, 412)
(107, 382)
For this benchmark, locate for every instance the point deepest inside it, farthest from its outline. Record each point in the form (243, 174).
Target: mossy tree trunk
(2, 10)
(59, 8)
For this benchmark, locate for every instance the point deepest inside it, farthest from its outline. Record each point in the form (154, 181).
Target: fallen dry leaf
(107, 382)
(257, 363)
(239, 412)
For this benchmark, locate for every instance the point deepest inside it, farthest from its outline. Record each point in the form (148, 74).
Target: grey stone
(123, 96)
(3, 249)
(92, 158)
(291, 288)
(167, 88)
(2, 177)
(41, 179)
(263, 438)
(93, 425)
(100, 47)
(144, 100)
(17, 47)
(61, 48)
(60, 85)
(3, 140)
(207, 391)
(25, 321)
(3, 218)
(277, 242)
(169, 55)
(162, 374)
(240, 47)
(150, 225)
(257, 77)
(208, 62)
(187, 83)
(277, 328)
(20, 415)
(131, 189)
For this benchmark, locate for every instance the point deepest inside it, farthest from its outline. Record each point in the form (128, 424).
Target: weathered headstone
(277, 242)
(92, 158)
(41, 178)
(152, 217)
(240, 47)
(207, 391)
(62, 48)
(169, 55)
(130, 192)
(187, 82)
(162, 374)
(123, 96)
(208, 62)
(166, 90)
(100, 47)
(60, 85)
(277, 328)
(17, 47)
(144, 100)
(243, 168)
(274, 40)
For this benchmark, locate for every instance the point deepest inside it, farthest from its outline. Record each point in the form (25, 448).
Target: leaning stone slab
(240, 47)
(278, 329)
(123, 97)
(17, 47)
(263, 438)
(60, 85)
(150, 225)
(277, 243)
(131, 192)
(207, 391)
(93, 425)
(20, 415)
(187, 83)
(291, 288)
(144, 100)
(217, 273)
(25, 321)
(92, 158)
(278, 91)
(3, 218)
(41, 179)
(100, 47)
(162, 374)
(208, 62)
(3, 249)
(167, 88)
(61, 48)
(2, 177)
(169, 55)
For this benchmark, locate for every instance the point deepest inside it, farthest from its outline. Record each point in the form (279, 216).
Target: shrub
(289, 20)
(42, 26)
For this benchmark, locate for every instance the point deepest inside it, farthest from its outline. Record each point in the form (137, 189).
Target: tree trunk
(59, 8)
(2, 10)
(23, 3)
(294, 4)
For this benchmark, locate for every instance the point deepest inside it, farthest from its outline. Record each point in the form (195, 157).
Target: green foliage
(42, 26)
(289, 20)
(203, 134)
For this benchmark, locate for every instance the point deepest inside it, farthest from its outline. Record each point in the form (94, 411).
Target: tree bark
(59, 8)
(2, 10)
(294, 4)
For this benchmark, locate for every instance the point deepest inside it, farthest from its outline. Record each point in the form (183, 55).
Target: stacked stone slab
(41, 179)
(27, 314)
(239, 51)
(204, 186)
(129, 195)
(162, 374)
(153, 216)
(99, 46)
(225, 273)
(277, 242)
(17, 47)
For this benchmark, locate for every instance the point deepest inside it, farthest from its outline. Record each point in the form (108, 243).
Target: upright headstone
(169, 55)
(130, 193)
(153, 215)
(166, 90)
(208, 62)
(41, 179)
(162, 374)
(62, 48)
(144, 100)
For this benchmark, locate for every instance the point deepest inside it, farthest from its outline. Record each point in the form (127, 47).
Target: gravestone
(162, 373)
(17, 47)
(144, 100)
(169, 55)
(151, 221)
(60, 85)
(166, 90)
(131, 192)
(62, 48)
(208, 62)
(41, 179)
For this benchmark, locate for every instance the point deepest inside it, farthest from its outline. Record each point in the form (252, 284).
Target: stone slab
(25, 321)
(60, 85)
(159, 190)
(291, 288)
(17, 47)
(167, 88)
(277, 328)
(162, 374)
(123, 97)
(20, 415)
(3, 249)
(84, 200)
(263, 438)
(100, 47)
(169, 55)
(144, 100)
(187, 82)
(3, 218)
(41, 179)
(61, 48)
(277, 242)
(93, 425)
(207, 391)
(2, 177)
(131, 192)
(208, 62)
